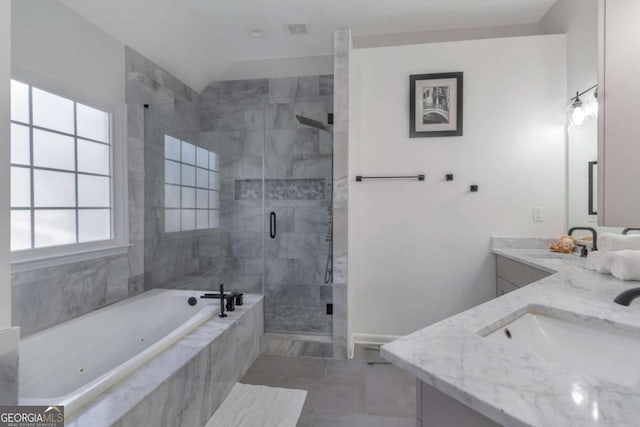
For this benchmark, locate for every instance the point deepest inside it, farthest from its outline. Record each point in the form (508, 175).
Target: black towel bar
(360, 178)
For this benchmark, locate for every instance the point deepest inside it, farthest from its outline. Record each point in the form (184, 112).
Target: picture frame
(436, 104)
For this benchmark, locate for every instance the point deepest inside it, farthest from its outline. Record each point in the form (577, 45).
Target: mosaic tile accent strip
(281, 189)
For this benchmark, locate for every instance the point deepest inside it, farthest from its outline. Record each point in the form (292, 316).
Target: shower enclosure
(238, 190)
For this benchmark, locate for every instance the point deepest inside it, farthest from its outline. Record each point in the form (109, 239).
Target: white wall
(5, 75)
(55, 48)
(578, 19)
(420, 251)
(439, 36)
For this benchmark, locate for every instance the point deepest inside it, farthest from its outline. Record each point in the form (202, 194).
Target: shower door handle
(272, 225)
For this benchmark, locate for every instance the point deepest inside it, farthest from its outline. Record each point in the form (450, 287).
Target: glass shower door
(297, 192)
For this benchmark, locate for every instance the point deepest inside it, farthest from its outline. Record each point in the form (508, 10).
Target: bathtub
(72, 363)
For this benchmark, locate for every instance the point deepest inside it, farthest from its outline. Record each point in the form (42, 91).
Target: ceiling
(197, 40)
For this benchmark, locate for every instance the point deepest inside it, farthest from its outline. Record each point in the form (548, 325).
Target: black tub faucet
(593, 231)
(625, 298)
(627, 230)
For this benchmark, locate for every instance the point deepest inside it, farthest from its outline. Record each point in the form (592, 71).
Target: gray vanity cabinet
(436, 409)
(511, 275)
(619, 110)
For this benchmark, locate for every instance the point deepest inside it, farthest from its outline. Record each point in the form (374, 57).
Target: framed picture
(435, 105)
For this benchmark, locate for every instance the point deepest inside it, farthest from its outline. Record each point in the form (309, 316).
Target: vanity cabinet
(436, 409)
(511, 275)
(619, 110)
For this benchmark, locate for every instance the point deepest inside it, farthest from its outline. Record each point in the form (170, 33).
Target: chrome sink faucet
(593, 231)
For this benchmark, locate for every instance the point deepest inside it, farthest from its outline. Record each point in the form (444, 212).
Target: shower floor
(285, 344)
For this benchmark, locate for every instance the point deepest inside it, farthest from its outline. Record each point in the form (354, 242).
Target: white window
(191, 187)
(62, 186)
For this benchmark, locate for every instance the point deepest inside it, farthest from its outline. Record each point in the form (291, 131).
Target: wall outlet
(537, 214)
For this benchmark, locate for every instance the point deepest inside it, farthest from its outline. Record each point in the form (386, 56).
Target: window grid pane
(20, 230)
(45, 209)
(20, 145)
(191, 193)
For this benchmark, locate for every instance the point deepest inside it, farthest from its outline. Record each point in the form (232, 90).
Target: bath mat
(259, 406)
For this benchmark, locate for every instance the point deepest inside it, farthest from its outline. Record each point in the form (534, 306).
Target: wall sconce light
(581, 109)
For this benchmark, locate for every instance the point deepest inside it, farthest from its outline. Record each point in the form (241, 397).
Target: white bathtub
(72, 363)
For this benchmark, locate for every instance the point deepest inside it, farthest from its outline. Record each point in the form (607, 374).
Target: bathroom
(228, 215)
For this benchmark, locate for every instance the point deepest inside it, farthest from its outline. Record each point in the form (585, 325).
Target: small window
(61, 170)
(191, 187)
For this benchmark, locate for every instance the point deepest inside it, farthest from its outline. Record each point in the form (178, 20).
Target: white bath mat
(259, 406)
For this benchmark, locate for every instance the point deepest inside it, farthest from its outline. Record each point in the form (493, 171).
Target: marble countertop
(543, 259)
(516, 389)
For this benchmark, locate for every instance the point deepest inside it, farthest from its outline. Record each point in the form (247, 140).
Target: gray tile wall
(49, 296)
(46, 297)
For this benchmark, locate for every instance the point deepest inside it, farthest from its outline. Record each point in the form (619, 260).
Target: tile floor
(347, 393)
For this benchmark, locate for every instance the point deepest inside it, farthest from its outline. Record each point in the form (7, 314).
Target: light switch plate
(537, 214)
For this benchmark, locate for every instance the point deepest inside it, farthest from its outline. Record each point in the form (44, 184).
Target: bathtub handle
(272, 225)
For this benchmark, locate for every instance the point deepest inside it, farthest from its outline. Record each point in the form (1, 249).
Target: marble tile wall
(341, 49)
(46, 297)
(9, 343)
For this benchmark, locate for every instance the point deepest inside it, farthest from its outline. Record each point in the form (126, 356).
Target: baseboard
(369, 339)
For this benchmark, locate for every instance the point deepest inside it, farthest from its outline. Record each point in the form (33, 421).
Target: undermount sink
(583, 345)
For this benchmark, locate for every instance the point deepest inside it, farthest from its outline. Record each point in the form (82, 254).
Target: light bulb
(578, 116)
(591, 107)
